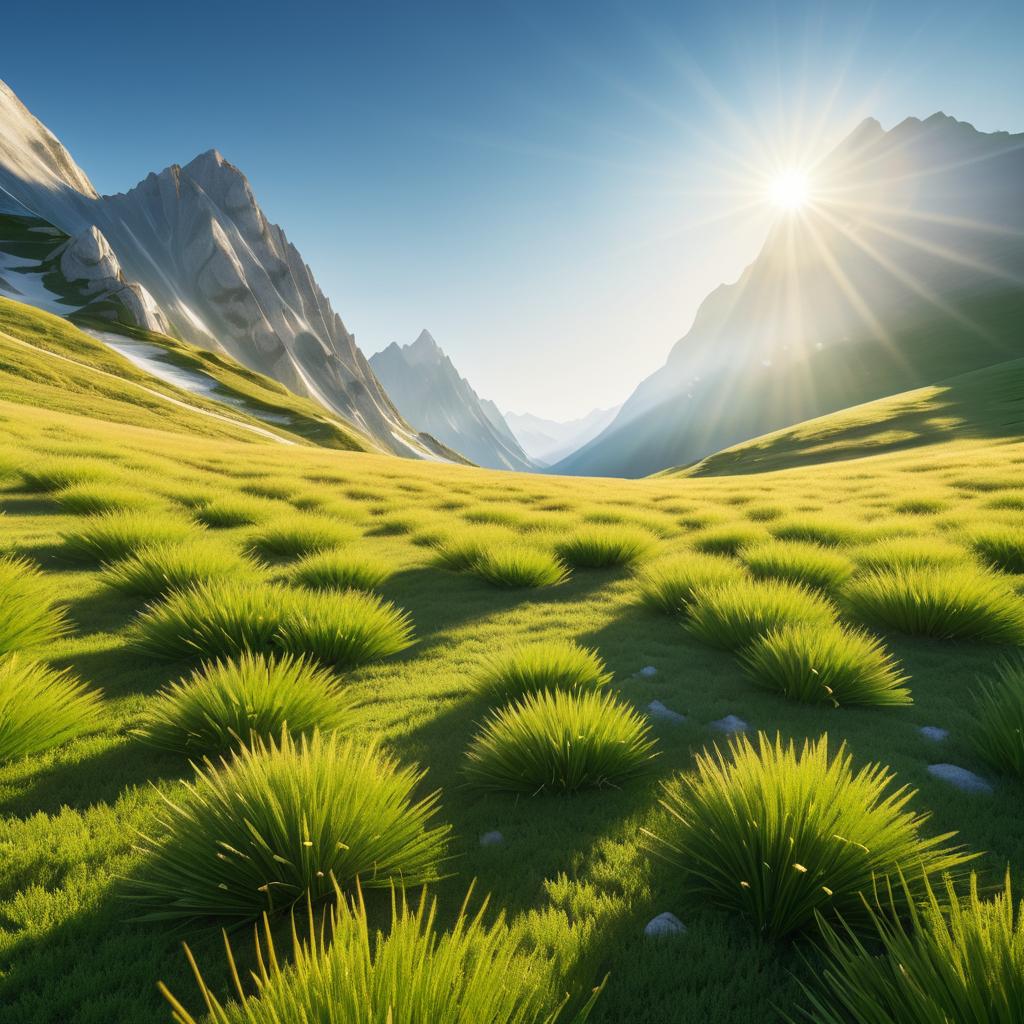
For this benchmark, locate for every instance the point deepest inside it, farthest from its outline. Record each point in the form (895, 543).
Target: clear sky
(550, 187)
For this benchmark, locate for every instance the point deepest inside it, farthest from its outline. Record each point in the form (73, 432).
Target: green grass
(732, 615)
(908, 553)
(1001, 547)
(340, 570)
(97, 497)
(826, 664)
(558, 741)
(727, 540)
(28, 617)
(543, 665)
(59, 474)
(604, 547)
(950, 603)
(810, 564)
(779, 836)
(997, 725)
(226, 511)
(955, 959)
(413, 972)
(156, 571)
(40, 708)
(114, 535)
(301, 534)
(282, 822)
(519, 565)
(227, 703)
(669, 585)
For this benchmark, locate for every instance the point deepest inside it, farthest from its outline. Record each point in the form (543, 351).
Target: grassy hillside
(456, 548)
(987, 403)
(73, 385)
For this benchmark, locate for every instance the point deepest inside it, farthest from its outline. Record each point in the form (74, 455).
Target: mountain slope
(550, 440)
(195, 244)
(909, 266)
(430, 393)
(984, 404)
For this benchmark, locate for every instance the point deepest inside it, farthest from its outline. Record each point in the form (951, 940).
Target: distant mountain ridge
(431, 394)
(910, 269)
(194, 245)
(547, 441)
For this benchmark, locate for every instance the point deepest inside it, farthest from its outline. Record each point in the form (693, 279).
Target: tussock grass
(226, 704)
(542, 665)
(603, 547)
(728, 539)
(1007, 500)
(40, 708)
(997, 727)
(229, 510)
(340, 570)
(779, 836)
(815, 566)
(826, 664)
(56, 474)
(28, 616)
(519, 565)
(343, 629)
(764, 513)
(944, 958)
(557, 741)
(948, 603)
(832, 532)
(301, 534)
(282, 822)
(731, 615)
(1001, 546)
(156, 571)
(343, 970)
(909, 553)
(669, 584)
(98, 497)
(114, 535)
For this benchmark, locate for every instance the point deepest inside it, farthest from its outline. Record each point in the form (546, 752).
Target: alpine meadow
(689, 692)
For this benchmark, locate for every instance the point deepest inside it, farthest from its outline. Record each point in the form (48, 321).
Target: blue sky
(551, 188)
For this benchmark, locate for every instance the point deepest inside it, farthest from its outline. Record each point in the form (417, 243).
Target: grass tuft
(1000, 546)
(95, 498)
(815, 566)
(727, 539)
(997, 729)
(779, 836)
(339, 570)
(226, 511)
(558, 741)
(544, 665)
(950, 603)
(27, 613)
(114, 535)
(301, 534)
(40, 708)
(603, 547)
(282, 821)
(669, 585)
(515, 565)
(731, 615)
(226, 704)
(817, 663)
(156, 571)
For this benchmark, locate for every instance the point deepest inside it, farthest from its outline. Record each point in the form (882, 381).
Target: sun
(790, 190)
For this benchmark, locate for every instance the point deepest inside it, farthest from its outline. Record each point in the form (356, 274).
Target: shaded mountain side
(430, 393)
(219, 274)
(987, 403)
(916, 227)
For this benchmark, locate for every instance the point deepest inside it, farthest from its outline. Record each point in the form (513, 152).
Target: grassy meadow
(394, 660)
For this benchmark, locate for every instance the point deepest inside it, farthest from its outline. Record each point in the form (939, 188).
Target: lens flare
(790, 190)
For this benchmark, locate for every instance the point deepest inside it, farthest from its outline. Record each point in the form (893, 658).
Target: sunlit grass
(114, 535)
(997, 722)
(669, 584)
(542, 665)
(157, 570)
(518, 565)
(602, 547)
(28, 615)
(815, 566)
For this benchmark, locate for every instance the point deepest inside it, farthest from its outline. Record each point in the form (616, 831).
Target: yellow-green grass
(28, 614)
(670, 584)
(158, 569)
(997, 726)
(811, 564)
(113, 535)
(518, 565)
(542, 665)
(605, 546)
(340, 570)
(299, 534)
(571, 874)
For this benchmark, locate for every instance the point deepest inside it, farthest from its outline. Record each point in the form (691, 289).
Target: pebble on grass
(664, 926)
(960, 778)
(658, 710)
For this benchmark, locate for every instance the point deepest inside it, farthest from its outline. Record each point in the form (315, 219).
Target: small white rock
(647, 671)
(729, 724)
(658, 710)
(960, 778)
(933, 733)
(663, 926)
(491, 839)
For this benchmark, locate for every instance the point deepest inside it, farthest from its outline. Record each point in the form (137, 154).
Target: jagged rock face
(192, 243)
(431, 394)
(909, 270)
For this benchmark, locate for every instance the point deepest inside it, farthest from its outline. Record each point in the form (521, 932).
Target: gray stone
(658, 710)
(648, 671)
(730, 724)
(492, 839)
(960, 778)
(663, 926)
(933, 733)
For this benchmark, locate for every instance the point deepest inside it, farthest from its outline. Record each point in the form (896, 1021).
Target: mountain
(430, 392)
(908, 267)
(193, 247)
(549, 440)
